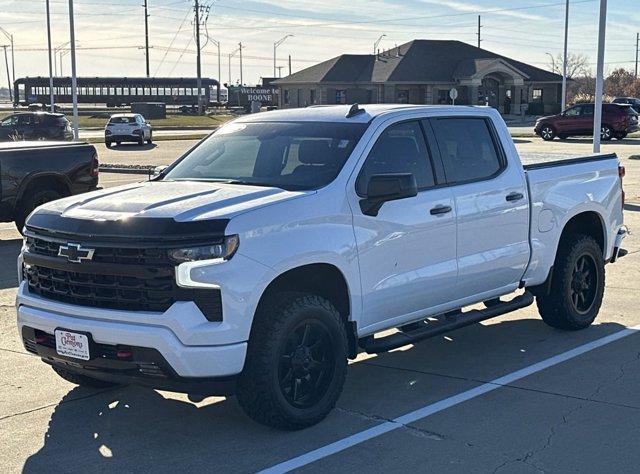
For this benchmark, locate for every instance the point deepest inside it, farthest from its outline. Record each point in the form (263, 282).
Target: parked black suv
(35, 126)
(632, 101)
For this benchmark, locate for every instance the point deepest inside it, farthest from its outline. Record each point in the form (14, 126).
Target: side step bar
(443, 325)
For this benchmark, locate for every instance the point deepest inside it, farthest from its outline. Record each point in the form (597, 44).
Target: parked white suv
(127, 128)
(279, 246)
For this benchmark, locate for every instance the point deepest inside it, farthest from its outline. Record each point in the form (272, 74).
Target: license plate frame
(73, 344)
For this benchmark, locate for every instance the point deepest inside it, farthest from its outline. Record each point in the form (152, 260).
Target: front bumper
(164, 332)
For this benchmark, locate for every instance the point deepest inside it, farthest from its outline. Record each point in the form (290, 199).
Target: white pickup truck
(275, 249)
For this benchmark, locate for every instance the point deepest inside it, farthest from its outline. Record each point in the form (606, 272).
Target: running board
(443, 324)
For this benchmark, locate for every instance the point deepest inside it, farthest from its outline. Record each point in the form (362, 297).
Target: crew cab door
(407, 252)
(491, 204)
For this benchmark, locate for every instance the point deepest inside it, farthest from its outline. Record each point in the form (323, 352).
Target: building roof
(415, 61)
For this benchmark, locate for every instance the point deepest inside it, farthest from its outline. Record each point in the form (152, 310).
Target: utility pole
(199, 66)
(564, 61)
(479, 27)
(597, 113)
(280, 71)
(6, 62)
(637, 47)
(74, 79)
(232, 54)
(51, 98)
(146, 34)
(289, 64)
(240, 49)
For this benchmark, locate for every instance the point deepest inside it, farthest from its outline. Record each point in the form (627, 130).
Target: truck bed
(535, 161)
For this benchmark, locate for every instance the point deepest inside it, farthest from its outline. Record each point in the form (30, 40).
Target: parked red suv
(617, 121)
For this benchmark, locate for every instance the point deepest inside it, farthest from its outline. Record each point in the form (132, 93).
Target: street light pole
(51, 98)
(597, 113)
(375, 45)
(564, 62)
(74, 79)
(240, 49)
(13, 59)
(217, 43)
(6, 62)
(275, 46)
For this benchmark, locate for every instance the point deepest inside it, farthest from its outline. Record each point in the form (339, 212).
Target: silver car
(127, 128)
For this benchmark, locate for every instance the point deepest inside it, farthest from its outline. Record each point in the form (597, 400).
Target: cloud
(466, 7)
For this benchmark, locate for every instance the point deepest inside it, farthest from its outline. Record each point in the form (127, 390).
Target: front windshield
(288, 155)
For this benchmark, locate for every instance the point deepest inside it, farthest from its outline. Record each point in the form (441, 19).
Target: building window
(341, 96)
(312, 97)
(537, 95)
(443, 96)
(402, 97)
(287, 96)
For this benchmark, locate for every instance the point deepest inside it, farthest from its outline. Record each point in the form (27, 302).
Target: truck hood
(181, 201)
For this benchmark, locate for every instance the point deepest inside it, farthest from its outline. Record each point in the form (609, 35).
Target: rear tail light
(95, 166)
(621, 173)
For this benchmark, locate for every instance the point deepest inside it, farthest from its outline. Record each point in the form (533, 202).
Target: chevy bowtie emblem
(75, 253)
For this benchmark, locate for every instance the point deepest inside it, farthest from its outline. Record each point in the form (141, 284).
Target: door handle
(514, 197)
(440, 209)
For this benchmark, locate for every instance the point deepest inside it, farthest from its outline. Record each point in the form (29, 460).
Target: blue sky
(111, 34)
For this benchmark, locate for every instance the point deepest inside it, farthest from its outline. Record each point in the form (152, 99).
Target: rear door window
(400, 149)
(468, 149)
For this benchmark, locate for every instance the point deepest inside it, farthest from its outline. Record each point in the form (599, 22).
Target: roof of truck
(338, 113)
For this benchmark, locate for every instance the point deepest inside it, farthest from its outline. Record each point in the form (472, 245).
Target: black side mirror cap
(382, 188)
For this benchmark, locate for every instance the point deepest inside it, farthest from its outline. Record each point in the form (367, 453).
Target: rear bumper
(622, 233)
(122, 138)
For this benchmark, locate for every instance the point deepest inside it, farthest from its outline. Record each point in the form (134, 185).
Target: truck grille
(129, 279)
(117, 255)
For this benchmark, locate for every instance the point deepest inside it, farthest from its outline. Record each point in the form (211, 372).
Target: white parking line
(437, 407)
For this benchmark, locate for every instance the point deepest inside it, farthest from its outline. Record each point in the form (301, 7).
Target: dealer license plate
(72, 344)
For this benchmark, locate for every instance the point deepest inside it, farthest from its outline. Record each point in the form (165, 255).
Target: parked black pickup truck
(32, 173)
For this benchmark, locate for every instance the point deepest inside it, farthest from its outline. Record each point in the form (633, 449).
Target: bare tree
(577, 65)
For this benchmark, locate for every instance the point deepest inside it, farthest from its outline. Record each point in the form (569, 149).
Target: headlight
(223, 250)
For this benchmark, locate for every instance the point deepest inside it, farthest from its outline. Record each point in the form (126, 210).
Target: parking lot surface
(508, 395)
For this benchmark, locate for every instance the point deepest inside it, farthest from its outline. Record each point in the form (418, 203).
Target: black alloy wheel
(584, 284)
(307, 363)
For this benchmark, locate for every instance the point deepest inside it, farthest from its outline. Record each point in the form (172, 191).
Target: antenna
(354, 110)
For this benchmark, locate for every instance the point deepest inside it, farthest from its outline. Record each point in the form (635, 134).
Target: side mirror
(157, 171)
(382, 188)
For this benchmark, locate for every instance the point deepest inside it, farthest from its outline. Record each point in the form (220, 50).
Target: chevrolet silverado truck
(284, 244)
(33, 173)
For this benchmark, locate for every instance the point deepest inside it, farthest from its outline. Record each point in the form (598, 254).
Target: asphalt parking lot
(508, 395)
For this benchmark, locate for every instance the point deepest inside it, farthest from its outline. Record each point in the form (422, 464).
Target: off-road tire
(259, 389)
(82, 380)
(557, 307)
(31, 200)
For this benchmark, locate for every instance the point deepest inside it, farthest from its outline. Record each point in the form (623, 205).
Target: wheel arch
(323, 279)
(589, 223)
(56, 181)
